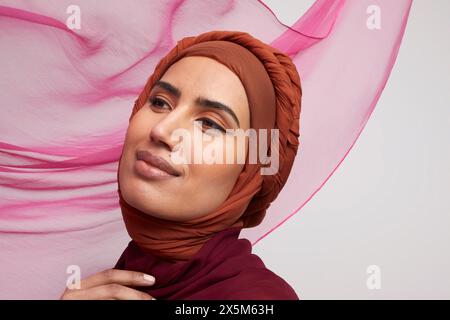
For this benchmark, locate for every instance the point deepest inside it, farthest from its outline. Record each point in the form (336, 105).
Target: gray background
(388, 204)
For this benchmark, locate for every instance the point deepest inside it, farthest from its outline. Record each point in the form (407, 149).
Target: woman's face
(199, 188)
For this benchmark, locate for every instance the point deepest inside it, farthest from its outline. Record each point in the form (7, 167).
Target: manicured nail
(149, 278)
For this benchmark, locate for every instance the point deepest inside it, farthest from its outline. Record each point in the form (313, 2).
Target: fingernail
(149, 278)
(153, 298)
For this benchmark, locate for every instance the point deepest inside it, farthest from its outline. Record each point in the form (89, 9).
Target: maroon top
(223, 268)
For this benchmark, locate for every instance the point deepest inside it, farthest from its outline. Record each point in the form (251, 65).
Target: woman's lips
(148, 171)
(152, 166)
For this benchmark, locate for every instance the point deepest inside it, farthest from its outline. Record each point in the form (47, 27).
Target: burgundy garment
(224, 268)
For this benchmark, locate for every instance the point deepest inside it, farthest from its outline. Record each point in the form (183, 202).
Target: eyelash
(213, 124)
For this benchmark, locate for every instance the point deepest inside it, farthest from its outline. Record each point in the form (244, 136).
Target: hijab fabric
(223, 269)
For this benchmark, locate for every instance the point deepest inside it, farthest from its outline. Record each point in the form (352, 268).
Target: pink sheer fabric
(66, 97)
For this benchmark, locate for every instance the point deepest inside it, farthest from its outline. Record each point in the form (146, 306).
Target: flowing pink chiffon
(66, 96)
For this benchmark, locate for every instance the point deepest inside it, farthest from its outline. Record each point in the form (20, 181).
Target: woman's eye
(158, 103)
(212, 124)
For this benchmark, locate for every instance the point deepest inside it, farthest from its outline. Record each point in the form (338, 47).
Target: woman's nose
(163, 131)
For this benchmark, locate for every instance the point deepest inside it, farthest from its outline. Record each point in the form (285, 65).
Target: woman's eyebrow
(201, 101)
(169, 88)
(204, 102)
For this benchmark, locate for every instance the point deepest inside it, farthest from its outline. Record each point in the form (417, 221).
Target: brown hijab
(272, 85)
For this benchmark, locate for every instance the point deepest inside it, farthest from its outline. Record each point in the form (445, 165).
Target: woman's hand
(111, 285)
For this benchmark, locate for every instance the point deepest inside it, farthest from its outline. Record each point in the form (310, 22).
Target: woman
(184, 219)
